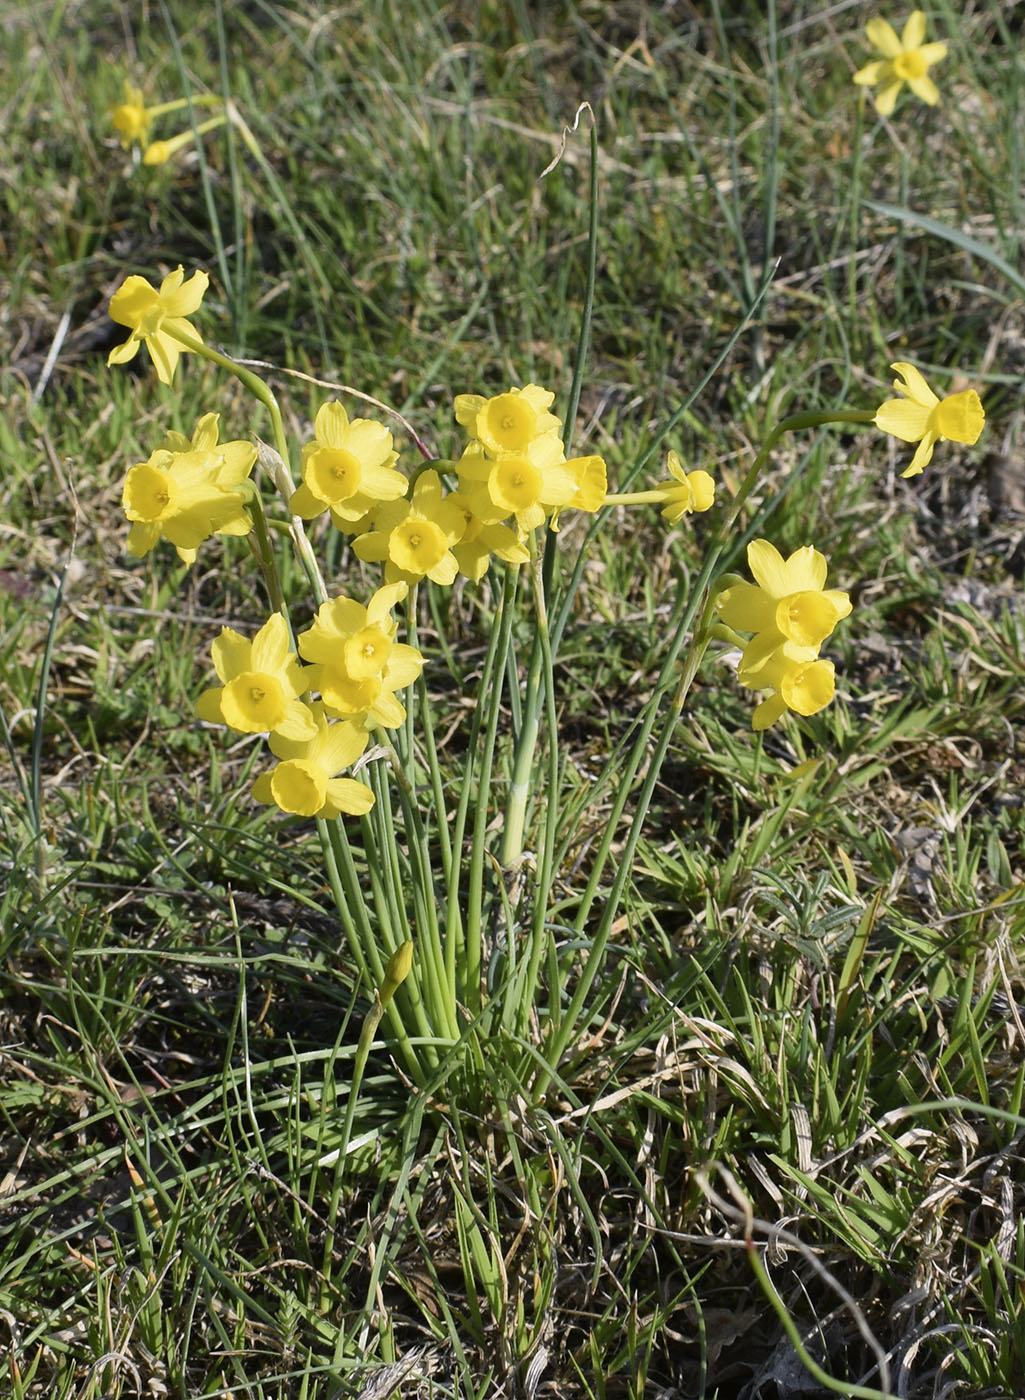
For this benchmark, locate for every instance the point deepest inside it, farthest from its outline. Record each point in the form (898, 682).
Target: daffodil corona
(921, 416)
(904, 60)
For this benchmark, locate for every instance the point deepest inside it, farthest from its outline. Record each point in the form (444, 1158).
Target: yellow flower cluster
(512, 477)
(132, 119)
(357, 668)
(186, 491)
(790, 613)
(514, 466)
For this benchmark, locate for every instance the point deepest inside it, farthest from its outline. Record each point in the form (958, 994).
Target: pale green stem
(202, 100)
(526, 739)
(538, 942)
(281, 471)
(639, 498)
(491, 685)
(157, 152)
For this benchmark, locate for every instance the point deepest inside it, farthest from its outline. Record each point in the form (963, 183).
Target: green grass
(815, 978)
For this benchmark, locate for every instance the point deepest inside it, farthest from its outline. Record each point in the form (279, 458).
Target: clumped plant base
(694, 1065)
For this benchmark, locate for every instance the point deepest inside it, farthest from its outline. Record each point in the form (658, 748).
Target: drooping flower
(305, 782)
(904, 60)
(184, 491)
(414, 538)
(787, 602)
(920, 416)
(348, 468)
(802, 686)
(261, 684)
(154, 318)
(358, 664)
(508, 422)
(130, 117)
(686, 492)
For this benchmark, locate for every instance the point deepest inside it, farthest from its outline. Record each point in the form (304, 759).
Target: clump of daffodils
(790, 613)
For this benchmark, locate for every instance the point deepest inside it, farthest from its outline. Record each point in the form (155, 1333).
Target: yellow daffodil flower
(791, 613)
(262, 682)
(802, 686)
(508, 422)
(155, 316)
(528, 485)
(358, 663)
(305, 782)
(920, 416)
(787, 602)
(692, 491)
(414, 538)
(184, 491)
(130, 117)
(348, 469)
(591, 477)
(904, 60)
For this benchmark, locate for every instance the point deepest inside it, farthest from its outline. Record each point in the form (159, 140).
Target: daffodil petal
(883, 36)
(925, 90)
(922, 457)
(872, 73)
(903, 419)
(914, 31)
(886, 98)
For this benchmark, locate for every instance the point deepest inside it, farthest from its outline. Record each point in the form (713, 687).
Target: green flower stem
(584, 338)
(491, 685)
(525, 998)
(523, 759)
(793, 424)
(359, 937)
(637, 498)
(439, 999)
(256, 386)
(516, 807)
(159, 151)
(203, 99)
(280, 471)
(265, 555)
(573, 1018)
